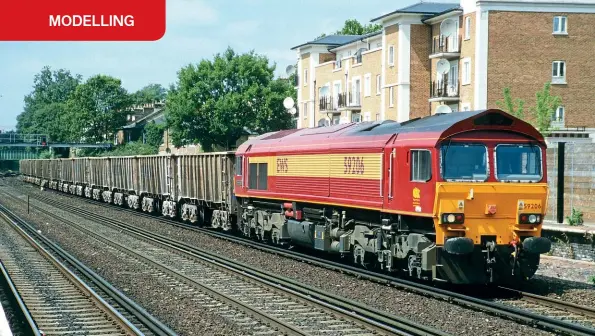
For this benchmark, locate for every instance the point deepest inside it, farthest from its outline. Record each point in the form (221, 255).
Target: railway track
(53, 299)
(550, 307)
(263, 303)
(531, 309)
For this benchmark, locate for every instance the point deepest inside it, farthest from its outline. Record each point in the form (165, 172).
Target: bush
(575, 218)
(592, 279)
(131, 149)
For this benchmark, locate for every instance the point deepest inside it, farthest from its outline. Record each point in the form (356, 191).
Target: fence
(578, 183)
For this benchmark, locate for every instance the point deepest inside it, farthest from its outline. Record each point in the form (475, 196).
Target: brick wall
(420, 71)
(579, 180)
(571, 245)
(371, 64)
(521, 50)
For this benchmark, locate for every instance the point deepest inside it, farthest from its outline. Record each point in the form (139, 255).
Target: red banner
(82, 20)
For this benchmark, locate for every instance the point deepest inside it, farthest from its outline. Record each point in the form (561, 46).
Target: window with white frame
(305, 110)
(391, 101)
(560, 25)
(356, 117)
(305, 77)
(378, 84)
(421, 165)
(467, 27)
(367, 85)
(558, 115)
(391, 55)
(466, 71)
(558, 72)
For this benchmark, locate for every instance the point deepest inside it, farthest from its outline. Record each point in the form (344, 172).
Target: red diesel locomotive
(456, 197)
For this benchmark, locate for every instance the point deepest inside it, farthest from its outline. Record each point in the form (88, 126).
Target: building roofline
(362, 37)
(437, 16)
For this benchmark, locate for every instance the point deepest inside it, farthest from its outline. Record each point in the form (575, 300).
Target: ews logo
(353, 165)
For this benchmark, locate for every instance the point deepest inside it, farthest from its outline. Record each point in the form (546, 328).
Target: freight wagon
(196, 188)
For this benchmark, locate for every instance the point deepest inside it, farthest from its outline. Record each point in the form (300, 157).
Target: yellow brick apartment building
(453, 56)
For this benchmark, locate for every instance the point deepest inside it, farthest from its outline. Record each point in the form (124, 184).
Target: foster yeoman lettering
(91, 21)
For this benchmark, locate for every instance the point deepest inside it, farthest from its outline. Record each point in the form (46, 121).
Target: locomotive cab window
(421, 165)
(257, 176)
(518, 163)
(239, 165)
(464, 162)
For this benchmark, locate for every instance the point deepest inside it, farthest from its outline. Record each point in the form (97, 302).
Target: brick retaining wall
(579, 180)
(571, 245)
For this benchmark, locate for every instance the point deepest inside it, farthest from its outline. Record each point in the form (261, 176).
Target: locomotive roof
(434, 128)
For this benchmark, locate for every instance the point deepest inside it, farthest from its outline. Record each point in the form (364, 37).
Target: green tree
(149, 94)
(213, 102)
(354, 27)
(514, 107)
(44, 108)
(98, 107)
(545, 107)
(154, 133)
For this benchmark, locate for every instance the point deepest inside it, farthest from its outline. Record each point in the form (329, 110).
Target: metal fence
(578, 164)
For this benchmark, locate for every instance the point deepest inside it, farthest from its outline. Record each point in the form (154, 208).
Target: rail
(512, 313)
(36, 240)
(347, 309)
(18, 300)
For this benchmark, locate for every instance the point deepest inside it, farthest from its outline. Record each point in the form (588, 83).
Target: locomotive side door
(389, 176)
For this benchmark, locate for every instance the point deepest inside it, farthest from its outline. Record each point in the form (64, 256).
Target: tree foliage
(98, 106)
(514, 107)
(540, 115)
(545, 107)
(154, 133)
(149, 94)
(214, 102)
(45, 106)
(354, 27)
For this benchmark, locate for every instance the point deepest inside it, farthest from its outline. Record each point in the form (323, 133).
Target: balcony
(448, 47)
(327, 104)
(445, 89)
(357, 59)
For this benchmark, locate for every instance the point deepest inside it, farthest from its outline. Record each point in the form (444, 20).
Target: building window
(558, 72)
(560, 25)
(305, 77)
(421, 165)
(378, 84)
(467, 27)
(336, 120)
(367, 85)
(391, 102)
(558, 116)
(466, 71)
(356, 117)
(391, 55)
(377, 116)
(305, 110)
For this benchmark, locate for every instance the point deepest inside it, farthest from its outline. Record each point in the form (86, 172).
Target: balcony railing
(327, 103)
(445, 88)
(446, 44)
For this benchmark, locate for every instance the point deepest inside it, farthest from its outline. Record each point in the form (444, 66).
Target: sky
(196, 29)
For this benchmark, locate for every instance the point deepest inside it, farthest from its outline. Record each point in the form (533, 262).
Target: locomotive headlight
(450, 218)
(532, 219)
(453, 218)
